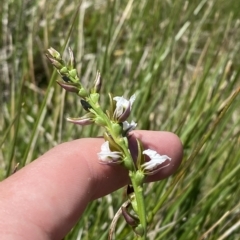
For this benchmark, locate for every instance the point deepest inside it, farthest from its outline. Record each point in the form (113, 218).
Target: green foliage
(182, 60)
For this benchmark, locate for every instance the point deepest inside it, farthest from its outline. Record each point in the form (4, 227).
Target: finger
(45, 199)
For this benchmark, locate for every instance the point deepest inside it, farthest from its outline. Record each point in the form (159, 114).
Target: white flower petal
(121, 102)
(155, 161)
(123, 105)
(132, 99)
(105, 147)
(129, 126)
(107, 156)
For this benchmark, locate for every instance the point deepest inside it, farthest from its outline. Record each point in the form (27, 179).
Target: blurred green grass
(182, 60)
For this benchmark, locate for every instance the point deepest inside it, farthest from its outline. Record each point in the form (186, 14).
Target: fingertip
(174, 148)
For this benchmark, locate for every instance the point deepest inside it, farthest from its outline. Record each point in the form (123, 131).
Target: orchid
(116, 148)
(107, 156)
(123, 107)
(127, 127)
(156, 160)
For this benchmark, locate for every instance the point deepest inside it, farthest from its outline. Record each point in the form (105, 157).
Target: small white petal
(105, 147)
(132, 99)
(155, 160)
(129, 126)
(122, 104)
(107, 156)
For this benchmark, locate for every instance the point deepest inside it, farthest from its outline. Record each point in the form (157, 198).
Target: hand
(46, 198)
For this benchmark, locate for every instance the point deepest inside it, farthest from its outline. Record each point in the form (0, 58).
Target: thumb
(46, 198)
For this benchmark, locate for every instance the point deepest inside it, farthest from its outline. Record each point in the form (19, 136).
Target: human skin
(44, 200)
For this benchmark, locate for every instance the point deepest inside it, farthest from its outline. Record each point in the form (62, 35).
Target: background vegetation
(180, 57)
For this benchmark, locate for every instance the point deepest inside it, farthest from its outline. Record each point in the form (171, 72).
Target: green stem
(136, 182)
(141, 208)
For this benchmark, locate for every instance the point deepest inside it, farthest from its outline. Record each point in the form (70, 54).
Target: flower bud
(54, 53)
(139, 230)
(117, 129)
(73, 73)
(94, 97)
(129, 218)
(87, 119)
(83, 93)
(56, 63)
(99, 121)
(63, 70)
(70, 87)
(139, 177)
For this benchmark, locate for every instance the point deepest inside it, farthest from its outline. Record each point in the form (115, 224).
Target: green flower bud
(117, 129)
(73, 73)
(139, 230)
(94, 97)
(63, 70)
(54, 53)
(134, 203)
(57, 64)
(83, 93)
(139, 177)
(99, 121)
(128, 163)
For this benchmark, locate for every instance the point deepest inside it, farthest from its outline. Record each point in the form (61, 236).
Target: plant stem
(141, 208)
(137, 185)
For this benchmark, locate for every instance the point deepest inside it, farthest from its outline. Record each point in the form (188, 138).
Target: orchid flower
(107, 156)
(127, 127)
(152, 166)
(123, 107)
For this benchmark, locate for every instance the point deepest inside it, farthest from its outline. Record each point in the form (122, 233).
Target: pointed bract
(97, 83)
(72, 58)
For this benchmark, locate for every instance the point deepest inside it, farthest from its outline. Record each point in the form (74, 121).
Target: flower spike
(116, 148)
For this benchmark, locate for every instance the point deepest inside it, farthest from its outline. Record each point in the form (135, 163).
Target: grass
(180, 57)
